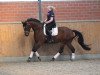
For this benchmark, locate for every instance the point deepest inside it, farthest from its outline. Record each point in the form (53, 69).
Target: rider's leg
(49, 35)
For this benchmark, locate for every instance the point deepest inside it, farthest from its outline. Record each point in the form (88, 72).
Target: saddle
(54, 31)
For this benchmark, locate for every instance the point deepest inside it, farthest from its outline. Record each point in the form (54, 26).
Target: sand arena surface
(79, 67)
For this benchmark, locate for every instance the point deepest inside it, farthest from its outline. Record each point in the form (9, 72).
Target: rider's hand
(46, 22)
(43, 22)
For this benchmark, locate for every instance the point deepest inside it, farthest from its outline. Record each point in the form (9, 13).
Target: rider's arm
(45, 20)
(51, 19)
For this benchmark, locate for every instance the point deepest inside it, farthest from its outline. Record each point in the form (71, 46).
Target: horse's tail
(81, 40)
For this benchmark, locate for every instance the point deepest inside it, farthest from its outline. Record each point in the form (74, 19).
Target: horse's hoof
(72, 59)
(53, 59)
(39, 58)
(29, 60)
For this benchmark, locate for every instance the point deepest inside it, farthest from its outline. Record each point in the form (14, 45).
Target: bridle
(27, 23)
(30, 27)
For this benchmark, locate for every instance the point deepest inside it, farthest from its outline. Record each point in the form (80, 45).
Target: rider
(50, 22)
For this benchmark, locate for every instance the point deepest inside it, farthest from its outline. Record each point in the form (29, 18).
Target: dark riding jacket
(53, 23)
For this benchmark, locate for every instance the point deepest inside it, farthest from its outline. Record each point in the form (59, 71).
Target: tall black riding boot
(50, 39)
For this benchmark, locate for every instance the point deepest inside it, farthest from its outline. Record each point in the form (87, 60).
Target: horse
(65, 37)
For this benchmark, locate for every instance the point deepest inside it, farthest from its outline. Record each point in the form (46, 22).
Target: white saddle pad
(54, 30)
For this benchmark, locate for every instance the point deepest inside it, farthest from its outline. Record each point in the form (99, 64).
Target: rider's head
(50, 8)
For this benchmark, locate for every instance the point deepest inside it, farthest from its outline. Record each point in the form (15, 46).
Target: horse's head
(31, 23)
(26, 27)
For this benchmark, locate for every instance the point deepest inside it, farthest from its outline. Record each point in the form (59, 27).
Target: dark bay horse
(65, 37)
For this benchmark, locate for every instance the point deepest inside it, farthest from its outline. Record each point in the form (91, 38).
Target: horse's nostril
(26, 34)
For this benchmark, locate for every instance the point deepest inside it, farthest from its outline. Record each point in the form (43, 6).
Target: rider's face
(49, 9)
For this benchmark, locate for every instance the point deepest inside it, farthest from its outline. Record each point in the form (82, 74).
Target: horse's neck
(38, 33)
(37, 28)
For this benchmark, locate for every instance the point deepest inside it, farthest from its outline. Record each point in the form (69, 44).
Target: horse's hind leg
(72, 50)
(59, 52)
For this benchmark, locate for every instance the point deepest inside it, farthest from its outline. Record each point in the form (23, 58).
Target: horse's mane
(33, 19)
(36, 21)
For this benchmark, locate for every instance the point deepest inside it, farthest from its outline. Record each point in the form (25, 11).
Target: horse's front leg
(34, 50)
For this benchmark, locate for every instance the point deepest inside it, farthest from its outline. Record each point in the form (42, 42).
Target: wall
(65, 10)
(14, 43)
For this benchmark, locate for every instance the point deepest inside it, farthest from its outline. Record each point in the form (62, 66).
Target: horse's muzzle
(26, 33)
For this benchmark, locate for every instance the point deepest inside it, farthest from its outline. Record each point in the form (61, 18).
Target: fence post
(40, 10)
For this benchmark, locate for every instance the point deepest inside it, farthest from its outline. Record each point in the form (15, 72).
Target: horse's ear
(22, 22)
